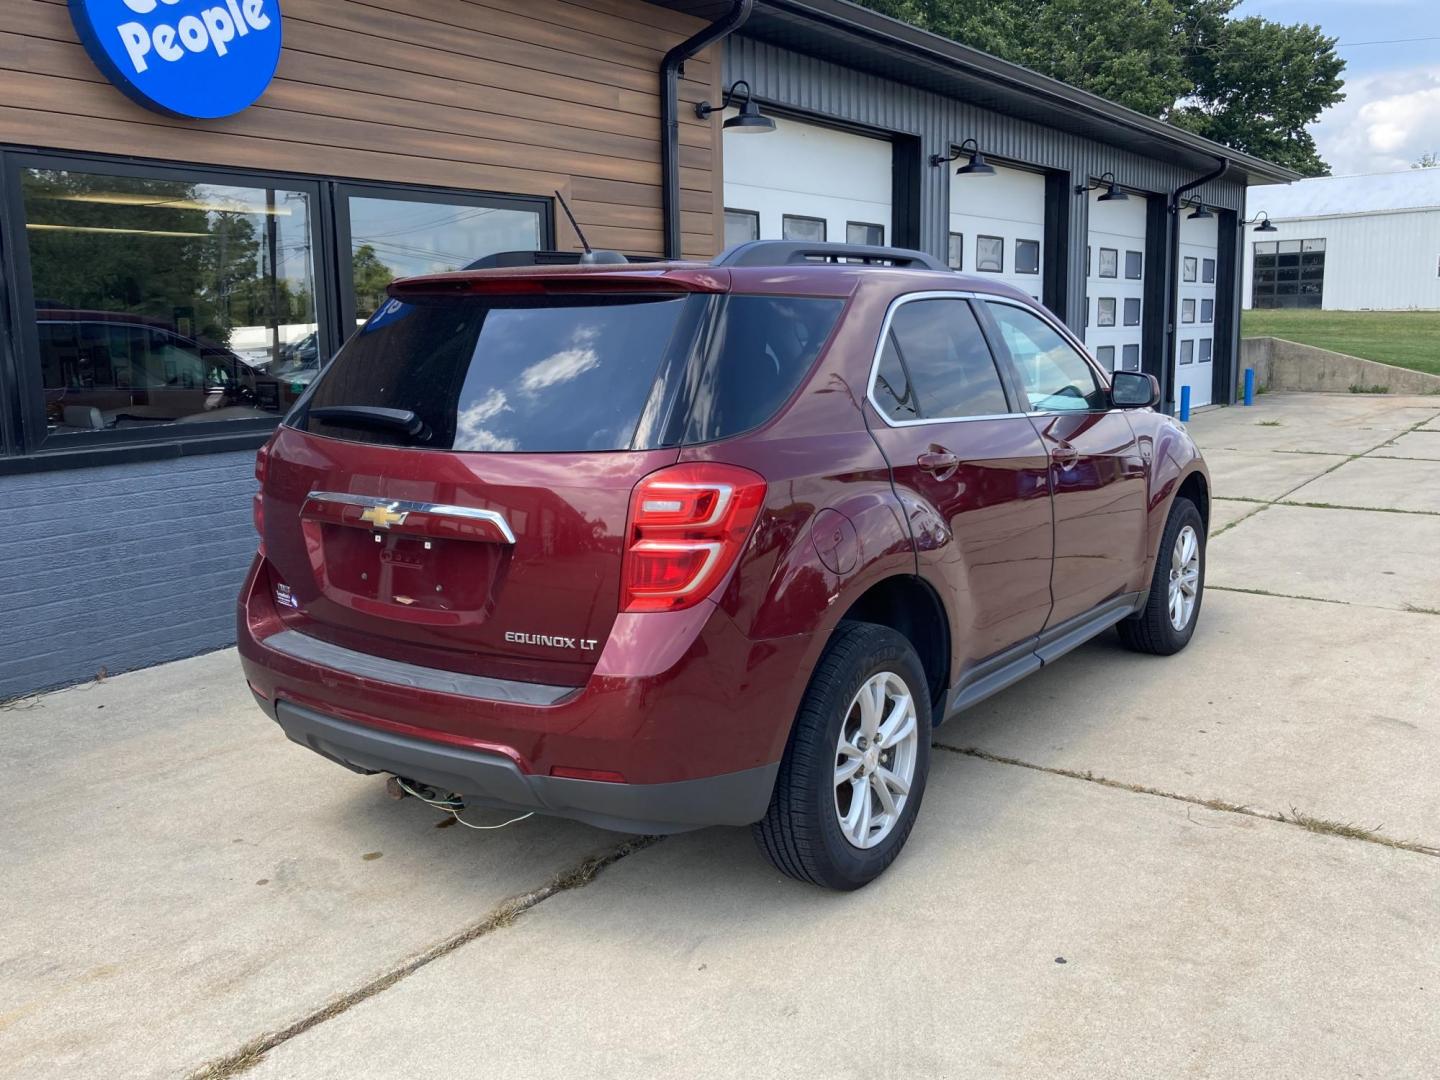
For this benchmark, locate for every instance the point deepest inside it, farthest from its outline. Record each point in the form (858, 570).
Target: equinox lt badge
(553, 641)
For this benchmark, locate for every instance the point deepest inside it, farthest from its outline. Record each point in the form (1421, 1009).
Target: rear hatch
(455, 491)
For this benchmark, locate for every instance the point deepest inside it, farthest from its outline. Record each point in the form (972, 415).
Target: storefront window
(392, 238)
(167, 302)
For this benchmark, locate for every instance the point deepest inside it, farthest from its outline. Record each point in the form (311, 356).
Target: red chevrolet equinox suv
(662, 546)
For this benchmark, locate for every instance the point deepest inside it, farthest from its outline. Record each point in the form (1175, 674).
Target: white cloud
(563, 365)
(1385, 122)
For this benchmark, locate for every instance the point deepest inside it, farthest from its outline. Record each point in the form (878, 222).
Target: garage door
(1115, 281)
(807, 182)
(1195, 321)
(997, 226)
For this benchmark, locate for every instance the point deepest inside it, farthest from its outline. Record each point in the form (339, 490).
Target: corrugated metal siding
(806, 84)
(1373, 262)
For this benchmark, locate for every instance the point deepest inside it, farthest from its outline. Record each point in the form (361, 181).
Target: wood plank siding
(505, 96)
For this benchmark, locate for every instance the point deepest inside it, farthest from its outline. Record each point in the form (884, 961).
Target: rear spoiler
(555, 280)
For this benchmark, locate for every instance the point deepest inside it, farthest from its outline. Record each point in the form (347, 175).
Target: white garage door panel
(809, 170)
(1114, 284)
(1009, 205)
(1195, 321)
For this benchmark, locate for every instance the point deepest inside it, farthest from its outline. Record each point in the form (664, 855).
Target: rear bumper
(692, 714)
(493, 780)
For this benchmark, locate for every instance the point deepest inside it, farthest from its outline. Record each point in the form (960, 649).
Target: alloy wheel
(1184, 577)
(875, 759)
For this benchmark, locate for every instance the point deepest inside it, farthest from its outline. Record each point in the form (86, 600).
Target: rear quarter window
(760, 350)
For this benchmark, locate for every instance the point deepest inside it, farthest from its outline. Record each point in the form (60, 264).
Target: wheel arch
(1195, 488)
(910, 606)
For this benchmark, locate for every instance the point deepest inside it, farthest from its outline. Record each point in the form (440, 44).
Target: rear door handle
(939, 463)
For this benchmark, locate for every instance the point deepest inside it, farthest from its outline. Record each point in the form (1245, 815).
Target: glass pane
(1289, 246)
(1187, 352)
(956, 259)
(1134, 264)
(1130, 358)
(808, 229)
(392, 238)
(1312, 245)
(859, 232)
(741, 226)
(1191, 268)
(1106, 355)
(1187, 311)
(990, 254)
(761, 348)
(1027, 256)
(1105, 311)
(508, 374)
(1206, 345)
(1207, 271)
(1132, 311)
(950, 373)
(1056, 378)
(1109, 262)
(1207, 310)
(1265, 247)
(166, 301)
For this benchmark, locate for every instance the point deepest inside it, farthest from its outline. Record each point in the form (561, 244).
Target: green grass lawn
(1408, 339)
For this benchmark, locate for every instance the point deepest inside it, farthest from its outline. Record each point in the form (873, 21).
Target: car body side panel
(1173, 458)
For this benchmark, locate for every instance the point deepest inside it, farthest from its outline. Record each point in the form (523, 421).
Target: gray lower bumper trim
(737, 798)
(314, 651)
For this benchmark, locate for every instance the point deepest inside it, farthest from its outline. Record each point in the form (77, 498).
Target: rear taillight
(688, 524)
(257, 505)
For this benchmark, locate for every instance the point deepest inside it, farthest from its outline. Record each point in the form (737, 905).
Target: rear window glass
(762, 347)
(503, 373)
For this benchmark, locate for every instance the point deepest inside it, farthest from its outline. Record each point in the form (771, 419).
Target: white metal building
(1346, 243)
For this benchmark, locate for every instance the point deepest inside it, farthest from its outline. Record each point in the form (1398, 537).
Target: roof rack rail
(791, 252)
(554, 258)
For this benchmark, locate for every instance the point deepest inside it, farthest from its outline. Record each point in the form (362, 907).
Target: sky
(1391, 112)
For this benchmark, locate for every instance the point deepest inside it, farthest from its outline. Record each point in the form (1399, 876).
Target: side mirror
(1134, 390)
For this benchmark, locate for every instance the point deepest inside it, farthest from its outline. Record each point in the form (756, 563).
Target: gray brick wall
(120, 567)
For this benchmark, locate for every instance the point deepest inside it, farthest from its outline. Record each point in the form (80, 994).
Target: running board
(1009, 667)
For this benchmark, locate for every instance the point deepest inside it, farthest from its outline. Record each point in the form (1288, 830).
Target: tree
(1249, 83)
(371, 276)
(1428, 160)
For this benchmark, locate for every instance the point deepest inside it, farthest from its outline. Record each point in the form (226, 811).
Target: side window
(1055, 377)
(936, 365)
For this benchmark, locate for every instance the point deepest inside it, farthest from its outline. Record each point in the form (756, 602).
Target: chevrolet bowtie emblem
(382, 517)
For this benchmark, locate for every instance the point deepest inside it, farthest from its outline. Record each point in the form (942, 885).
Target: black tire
(1150, 630)
(801, 832)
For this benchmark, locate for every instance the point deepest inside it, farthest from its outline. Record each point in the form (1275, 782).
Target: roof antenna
(591, 256)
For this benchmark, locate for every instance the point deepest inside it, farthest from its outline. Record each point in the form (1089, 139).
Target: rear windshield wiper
(373, 416)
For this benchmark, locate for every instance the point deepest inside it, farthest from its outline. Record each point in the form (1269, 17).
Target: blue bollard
(1249, 386)
(1184, 404)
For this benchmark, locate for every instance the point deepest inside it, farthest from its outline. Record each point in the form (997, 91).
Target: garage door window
(956, 252)
(1134, 265)
(741, 226)
(1109, 262)
(1027, 256)
(1289, 274)
(936, 365)
(990, 254)
(860, 232)
(805, 229)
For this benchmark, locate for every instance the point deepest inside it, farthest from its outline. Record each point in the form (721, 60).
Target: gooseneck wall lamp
(1107, 181)
(1263, 219)
(748, 120)
(976, 166)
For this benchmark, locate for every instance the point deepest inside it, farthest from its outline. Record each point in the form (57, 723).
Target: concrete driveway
(1222, 864)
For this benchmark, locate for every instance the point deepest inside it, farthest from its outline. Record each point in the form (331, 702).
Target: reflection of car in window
(113, 370)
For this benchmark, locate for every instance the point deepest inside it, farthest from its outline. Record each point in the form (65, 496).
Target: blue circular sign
(190, 58)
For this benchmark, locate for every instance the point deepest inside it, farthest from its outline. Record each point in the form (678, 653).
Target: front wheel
(1166, 623)
(854, 771)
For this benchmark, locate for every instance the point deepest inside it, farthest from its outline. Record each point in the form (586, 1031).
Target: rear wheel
(854, 771)
(1167, 622)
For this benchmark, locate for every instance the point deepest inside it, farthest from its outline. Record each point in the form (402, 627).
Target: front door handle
(941, 464)
(1064, 455)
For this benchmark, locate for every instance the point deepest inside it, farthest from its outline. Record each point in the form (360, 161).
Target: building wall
(505, 96)
(1378, 262)
(121, 566)
(793, 80)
